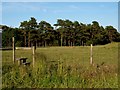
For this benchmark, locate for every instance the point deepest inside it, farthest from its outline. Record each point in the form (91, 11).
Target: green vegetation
(63, 67)
(63, 33)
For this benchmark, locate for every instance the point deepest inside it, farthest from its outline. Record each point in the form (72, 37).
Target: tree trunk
(29, 39)
(30, 43)
(36, 43)
(9, 42)
(61, 39)
(74, 43)
(25, 38)
(66, 42)
(70, 43)
(59, 42)
(45, 43)
(39, 44)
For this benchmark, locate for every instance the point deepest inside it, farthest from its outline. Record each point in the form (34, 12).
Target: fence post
(13, 49)
(33, 55)
(91, 55)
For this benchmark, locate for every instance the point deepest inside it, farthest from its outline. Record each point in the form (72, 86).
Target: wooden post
(13, 50)
(91, 55)
(33, 55)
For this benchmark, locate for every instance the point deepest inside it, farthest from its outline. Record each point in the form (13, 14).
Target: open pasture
(63, 67)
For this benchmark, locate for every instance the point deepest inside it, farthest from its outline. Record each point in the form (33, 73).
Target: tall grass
(63, 67)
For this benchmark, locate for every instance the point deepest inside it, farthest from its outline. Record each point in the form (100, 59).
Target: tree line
(62, 33)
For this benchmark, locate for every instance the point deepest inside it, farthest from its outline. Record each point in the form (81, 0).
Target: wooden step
(21, 60)
(27, 63)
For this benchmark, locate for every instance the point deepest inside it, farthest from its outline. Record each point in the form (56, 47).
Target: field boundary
(24, 48)
(6, 48)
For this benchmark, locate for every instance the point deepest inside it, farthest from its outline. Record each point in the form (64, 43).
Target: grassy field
(63, 67)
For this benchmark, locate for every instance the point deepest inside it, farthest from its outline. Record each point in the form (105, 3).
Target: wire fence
(71, 55)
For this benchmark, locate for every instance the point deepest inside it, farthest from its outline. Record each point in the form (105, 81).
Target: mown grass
(63, 67)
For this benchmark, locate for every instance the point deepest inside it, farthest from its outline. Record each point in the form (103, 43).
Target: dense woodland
(63, 33)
